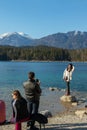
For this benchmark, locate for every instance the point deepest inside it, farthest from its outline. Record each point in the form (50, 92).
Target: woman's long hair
(17, 93)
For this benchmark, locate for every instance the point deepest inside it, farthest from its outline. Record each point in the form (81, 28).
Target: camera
(37, 81)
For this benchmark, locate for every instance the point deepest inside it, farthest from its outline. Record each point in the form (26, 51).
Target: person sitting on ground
(19, 107)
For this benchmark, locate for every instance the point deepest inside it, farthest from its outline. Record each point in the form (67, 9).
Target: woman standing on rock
(67, 76)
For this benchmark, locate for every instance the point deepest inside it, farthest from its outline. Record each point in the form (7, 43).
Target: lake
(13, 74)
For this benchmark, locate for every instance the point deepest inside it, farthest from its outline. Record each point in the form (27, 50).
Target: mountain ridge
(69, 40)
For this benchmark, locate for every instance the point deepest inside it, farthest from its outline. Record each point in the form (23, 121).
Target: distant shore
(42, 61)
(38, 61)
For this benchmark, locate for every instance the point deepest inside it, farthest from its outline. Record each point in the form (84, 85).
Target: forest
(41, 53)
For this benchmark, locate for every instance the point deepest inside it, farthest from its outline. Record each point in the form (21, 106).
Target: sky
(39, 18)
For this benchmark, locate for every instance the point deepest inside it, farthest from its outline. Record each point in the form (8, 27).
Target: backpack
(39, 118)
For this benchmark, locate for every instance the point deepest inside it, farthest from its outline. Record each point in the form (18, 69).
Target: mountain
(15, 39)
(69, 40)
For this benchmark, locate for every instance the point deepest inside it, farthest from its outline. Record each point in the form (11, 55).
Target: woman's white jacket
(68, 75)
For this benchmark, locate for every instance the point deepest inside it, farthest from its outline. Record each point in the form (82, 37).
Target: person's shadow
(77, 126)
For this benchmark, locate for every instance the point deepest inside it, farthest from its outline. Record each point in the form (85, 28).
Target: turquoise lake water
(13, 74)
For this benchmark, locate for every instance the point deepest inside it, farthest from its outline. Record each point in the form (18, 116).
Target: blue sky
(40, 18)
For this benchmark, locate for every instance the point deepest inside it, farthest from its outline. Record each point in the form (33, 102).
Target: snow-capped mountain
(69, 40)
(15, 39)
(14, 33)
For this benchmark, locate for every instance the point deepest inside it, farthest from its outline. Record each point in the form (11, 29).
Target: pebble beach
(63, 114)
(65, 122)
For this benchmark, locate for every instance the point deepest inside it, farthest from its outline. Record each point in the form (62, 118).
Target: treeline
(41, 53)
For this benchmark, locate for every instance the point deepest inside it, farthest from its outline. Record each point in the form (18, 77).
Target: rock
(80, 113)
(53, 88)
(68, 98)
(46, 113)
(74, 103)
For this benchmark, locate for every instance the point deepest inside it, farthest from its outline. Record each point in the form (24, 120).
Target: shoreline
(42, 61)
(63, 114)
(50, 100)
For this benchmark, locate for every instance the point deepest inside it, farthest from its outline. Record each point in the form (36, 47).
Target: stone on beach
(46, 113)
(74, 103)
(53, 89)
(69, 98)
(81, 113)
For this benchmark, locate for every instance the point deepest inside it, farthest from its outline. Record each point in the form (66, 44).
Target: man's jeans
(32, 109)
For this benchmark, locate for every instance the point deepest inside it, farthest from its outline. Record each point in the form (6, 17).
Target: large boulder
(69, 98)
